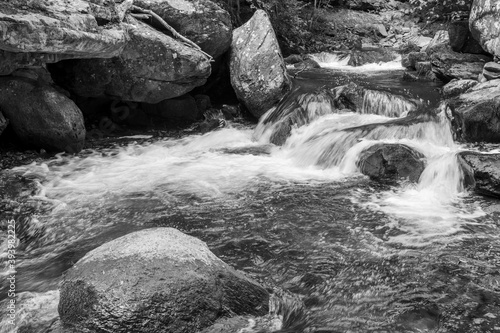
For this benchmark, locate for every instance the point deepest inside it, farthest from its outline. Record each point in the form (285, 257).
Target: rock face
(151, 68)
(202, 21)
(476, 114)
(258, 72)
(3, 123)
(484, 22)
(41, 116)
(393, 161)
(155, 280)
(461, 39)
(79, 28)
(485, 170)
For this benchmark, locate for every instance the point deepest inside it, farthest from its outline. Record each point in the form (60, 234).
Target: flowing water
(363, 256)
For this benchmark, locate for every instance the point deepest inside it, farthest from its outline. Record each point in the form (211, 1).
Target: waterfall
(383, 103)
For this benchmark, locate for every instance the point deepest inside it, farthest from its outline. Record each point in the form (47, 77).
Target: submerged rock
(484, 169)
(151, 68)
(155, 280)
(484, 21)
(393, 161)
(475, 115)
(41, 116)
(202, 21)
(258, 72)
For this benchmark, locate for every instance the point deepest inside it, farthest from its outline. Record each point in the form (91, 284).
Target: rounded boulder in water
(391, 161)
(155, 280)
(42, 116)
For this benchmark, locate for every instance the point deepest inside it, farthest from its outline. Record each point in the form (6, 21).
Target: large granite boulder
(151, 68)
(484, 22)
(155, 280)
(202, 21)
(391, 161)
(456, 87)
(258, 72)
(484, 170)
(83, 29)
(41, 116)
(475, 115)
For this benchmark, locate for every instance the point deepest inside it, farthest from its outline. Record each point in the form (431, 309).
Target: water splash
(386, 104)
(340, 61)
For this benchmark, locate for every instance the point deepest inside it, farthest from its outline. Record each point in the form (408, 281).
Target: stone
(423, 67)
(461, 39)
(391, 161)
(183, 107)
(42, 116)
(35, 312)
(456, 87)
(360, 58)
(448, 65)
(484, 170)
(410, 60)
(293, 59)
(151, 68)
(155, 280)
(440, 39)
(491, 71)
(3, 123)
(78, 28)
(484, 24)
(475, 115)
(258, 72)
(202, 21)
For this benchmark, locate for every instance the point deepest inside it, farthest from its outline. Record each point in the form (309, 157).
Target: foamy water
(340, 62)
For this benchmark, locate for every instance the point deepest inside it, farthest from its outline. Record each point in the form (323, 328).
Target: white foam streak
(340, 61)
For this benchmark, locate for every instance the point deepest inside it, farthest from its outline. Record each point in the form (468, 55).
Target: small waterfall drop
(389, 105)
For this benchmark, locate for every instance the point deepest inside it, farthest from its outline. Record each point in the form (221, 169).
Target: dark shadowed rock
(78, 28)
(491, 71)
(306, 64)
(202, 21)
(484, 22)
(393, 161)
(151, 68)
(410, 60)
(41, 116)
(475, 115)
(3, 123)
(293, 59)
(484, 169)
(155, 280)
(461, 39)
(457, 87)
(258, 72)
(183, 107)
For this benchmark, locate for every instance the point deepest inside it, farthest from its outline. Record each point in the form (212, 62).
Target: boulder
(82, 29)
(151, 68)
(440, 40)
(475, 115)
(307, 64)
(456, 87)
(202, 21)
(258, 72)
(155, 280)
(293, 59)
(360, 58)
(484, 169)
(448, 65)
(461, 39)
(491, 71)
(484, 23)
(391, 161)
(42, 116)
(34, 312)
